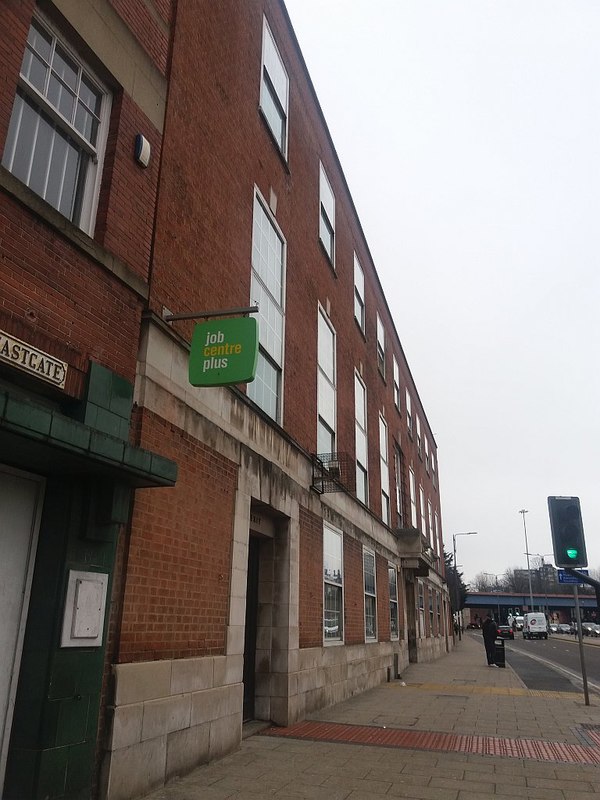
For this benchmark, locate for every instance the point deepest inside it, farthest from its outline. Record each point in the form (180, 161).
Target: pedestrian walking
(490, 631)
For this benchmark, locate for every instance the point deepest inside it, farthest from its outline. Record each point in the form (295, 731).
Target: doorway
(249, 675)
(411, 621)
(21, 497)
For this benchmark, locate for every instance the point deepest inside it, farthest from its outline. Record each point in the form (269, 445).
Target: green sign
(224, 352)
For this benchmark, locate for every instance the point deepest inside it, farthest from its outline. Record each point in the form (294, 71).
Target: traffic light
(567, 532)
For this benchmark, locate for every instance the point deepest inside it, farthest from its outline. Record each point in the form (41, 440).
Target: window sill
(23, 195)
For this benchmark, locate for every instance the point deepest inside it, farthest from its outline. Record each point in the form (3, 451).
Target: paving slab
(453, 729)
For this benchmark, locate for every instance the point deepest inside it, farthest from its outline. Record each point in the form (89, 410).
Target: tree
(457, 588)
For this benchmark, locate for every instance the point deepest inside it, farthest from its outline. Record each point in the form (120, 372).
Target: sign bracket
(230, 312)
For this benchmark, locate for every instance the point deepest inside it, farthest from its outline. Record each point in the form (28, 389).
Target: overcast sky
(469, 134)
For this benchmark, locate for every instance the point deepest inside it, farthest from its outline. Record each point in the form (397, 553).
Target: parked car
(564, 627)
(505, 632)
(553, 628)
(588, 629)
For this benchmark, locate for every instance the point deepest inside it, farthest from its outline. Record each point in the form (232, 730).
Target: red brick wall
(125, 215)
(179, 562)
(311, 579)
(52, 288)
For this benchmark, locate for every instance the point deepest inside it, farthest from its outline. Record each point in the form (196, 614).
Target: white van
(535, 626)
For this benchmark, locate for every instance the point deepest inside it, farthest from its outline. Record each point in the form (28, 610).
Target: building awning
(41, 439)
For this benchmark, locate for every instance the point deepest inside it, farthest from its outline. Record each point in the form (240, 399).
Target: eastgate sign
(224, 352)
(31, 360)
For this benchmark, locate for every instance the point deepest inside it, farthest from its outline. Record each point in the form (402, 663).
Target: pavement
(453, 729)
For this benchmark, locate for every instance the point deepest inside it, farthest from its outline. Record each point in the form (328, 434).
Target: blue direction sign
(566, 577)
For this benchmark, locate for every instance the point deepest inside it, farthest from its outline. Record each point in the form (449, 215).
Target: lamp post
(524, 511)
(457, 598)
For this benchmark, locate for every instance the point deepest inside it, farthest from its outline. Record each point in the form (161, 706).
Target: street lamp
(457, 598)
(524, 511)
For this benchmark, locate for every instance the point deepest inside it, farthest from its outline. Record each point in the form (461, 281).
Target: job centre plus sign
(224, 352)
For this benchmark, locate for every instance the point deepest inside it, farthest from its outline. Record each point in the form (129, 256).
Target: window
(438, 608)
(421, 608)
(370, 595)
(430, 593)
(360, 433)
(396, 384)
(419, 440)
(409, 422)
(274, 90)
(426, 440)
(430, 530)
(436, 529)
(422, 510)
(326, 391)
(380, 346)
(413, 498)
(384, 470)
(398, 467)
(58, 127)
(433, 470)
(327, 220)
(333, 583)
(267, 290)
(393, 583)
(359, 294)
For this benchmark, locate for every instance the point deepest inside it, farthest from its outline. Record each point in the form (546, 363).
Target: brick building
(183, 559)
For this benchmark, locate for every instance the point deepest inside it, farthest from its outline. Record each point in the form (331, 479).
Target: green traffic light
(572, 553)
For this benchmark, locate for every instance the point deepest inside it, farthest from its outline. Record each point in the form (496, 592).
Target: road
(554, 664)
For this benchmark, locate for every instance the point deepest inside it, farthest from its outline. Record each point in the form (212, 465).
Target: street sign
(566, 577)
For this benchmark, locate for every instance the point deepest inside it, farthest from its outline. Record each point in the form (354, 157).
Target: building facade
(183, 559)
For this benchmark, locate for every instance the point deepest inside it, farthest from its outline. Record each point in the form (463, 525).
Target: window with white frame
(436, 529)
(370, 594)
(359, 293)
(58, 127)
(393, 591)
(267, 290)
(396, 384)
(430, 529)
(380, 346)
(333, 585)
(398, 468)
(433, 469)
(419, 440)
(409, 422)
(326, 386)
(360, 429)
(438, 609)
(421, 601)
(413, 498)
(426, 453)
(327, 215)
(384, 470)
(274, 90)
(422, 510)
(430, 593)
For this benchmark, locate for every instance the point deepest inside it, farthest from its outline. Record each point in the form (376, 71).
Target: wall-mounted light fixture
(142, 150)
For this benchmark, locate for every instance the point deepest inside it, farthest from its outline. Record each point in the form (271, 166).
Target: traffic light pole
(580, 637)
